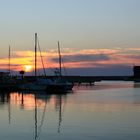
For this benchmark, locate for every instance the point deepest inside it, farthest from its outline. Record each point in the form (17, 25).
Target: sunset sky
(96, 36)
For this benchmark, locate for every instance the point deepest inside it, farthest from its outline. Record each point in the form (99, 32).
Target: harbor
(70, 70)
(13, 82)
(105, 111)
(59, 82)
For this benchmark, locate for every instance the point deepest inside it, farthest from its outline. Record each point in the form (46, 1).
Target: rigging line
(41, 58)
(61, 59)
(64, 67)
(9, 59)
(52, 69)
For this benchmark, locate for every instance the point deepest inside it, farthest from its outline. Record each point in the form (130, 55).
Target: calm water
(106, 111)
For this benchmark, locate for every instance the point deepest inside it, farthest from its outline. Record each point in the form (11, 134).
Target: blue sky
(78, 24)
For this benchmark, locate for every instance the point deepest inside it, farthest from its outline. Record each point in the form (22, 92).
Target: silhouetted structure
(136, 70)
(22, 72)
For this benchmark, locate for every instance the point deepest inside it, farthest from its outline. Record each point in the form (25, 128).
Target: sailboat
(60, 84)
(37, 84)
(7, 82)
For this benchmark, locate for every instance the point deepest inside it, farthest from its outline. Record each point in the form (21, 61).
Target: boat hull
(32, 87)
(59, 87)
(47, 87)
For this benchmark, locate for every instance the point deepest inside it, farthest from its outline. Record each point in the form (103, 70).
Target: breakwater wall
(88, 79)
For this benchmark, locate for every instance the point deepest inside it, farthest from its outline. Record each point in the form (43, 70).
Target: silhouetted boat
(37, 84)
(7, 82)
(60, 84)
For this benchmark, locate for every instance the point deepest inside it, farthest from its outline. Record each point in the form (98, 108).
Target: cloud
(133, 56)
(133, 49)
(23, 53)
(74, 58)
(83, 58)
(100, 51)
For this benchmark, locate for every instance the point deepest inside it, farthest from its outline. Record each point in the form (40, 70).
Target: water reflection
(4, 97)
(136, 85)
(34, 101)
(107, 111)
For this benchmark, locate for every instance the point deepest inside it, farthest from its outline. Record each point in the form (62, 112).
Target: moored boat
(60, 84)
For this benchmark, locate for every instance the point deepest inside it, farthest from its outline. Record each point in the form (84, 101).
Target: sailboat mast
(9, 59)
(35, 54)
(60, 61)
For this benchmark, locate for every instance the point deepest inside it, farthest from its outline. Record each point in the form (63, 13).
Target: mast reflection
(60, 100)
(5, 99)
(34, 101)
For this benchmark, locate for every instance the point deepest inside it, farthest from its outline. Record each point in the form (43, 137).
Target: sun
(28, 68)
